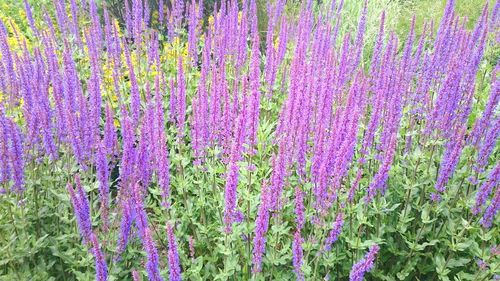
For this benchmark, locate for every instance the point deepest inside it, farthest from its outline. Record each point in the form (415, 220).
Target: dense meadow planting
(173, 144)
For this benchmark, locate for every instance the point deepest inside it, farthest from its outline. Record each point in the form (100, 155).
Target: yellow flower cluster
(12, 29)
(174, 50)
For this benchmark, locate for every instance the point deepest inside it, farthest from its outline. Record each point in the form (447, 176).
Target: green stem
(416, 242)
(407, 201)
(184, 190)
(249, 248)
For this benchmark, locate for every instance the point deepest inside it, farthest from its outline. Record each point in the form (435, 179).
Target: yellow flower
(156, 15)
(13, 28)
(117, 26)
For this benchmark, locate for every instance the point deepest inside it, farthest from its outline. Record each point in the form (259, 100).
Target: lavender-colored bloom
(488, 145)
(240, 43)
(102, 170)
(128, 151)
(181, 100)
(139, 19)
(76, 110)
(193, 18)
(163, 172)
(275, 58)
(144, 155)
(29, 16)
(175, 19)
(230, 195)
(377, 50)
(355, 185)
(3, 82)
(335, 231)
(84, 203)
(173, 102)
(379, 97)
(495, 250)
(491, 210)
(200, 105)
(56, 78)
(5, 165)
(81, 209)
(161, 12)
(230, 191)
(96, 22)
(261, 226)
(254, 91)
(279, 164)
(227, 119)
(482, 124)
(299, 208)
(160, 148)
(215, 108)
(148, 244)
(50, 24)
(274, 10)
(486, 188)
(43, 106)
(297, 255)
(435, 197)
(110, 138)
(128, 19)
(152, 263)
(61, 16)
(76, 208)
(75, 26)
(360, 36)
(127, 219)
(136, 276)
(16, 156)
(7, 58)
(481, 264)
(94, 86)
(238, 216)
(173, 256)
(378, 183)
(191, 246)
(450, 159)
(364, 265)
(135, 102)
(345, 139)
(101, 269)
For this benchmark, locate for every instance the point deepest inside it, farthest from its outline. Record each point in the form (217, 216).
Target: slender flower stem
(249, 248)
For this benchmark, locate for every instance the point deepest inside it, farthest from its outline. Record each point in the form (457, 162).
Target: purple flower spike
(173, 256)
(297, 256)
(335, 232)
(101, 269)
(81, 209)
(486, 188)
(261, 226)
(364, 265)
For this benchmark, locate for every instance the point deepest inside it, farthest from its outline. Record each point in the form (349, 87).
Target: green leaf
(458, 262)
(440, 262)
